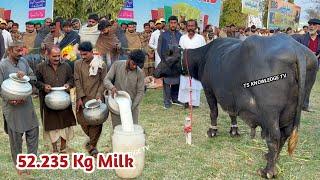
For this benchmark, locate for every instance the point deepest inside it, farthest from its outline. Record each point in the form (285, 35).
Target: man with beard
(41, 34)
(5, 34)
(48, 41)
(76, 24)
(191, 40)
(168, 41)
(312, 41)
(29, 36)
(124, 27)
(145, 38)
(9, 25)
(108, 44)
(153, 42)
(88, 76)
(183, 27)
(127, 76)
(133, 37)
(90, 32)
(70, 37)
(57, 123)
(19, 115)
(152, 24)
(15, 34)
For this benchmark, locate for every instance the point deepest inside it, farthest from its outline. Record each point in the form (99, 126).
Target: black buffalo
(262, 79)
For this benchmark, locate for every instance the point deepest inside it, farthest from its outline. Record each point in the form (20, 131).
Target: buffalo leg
(212, 101)
(285, 134)
(273, 142)
(234, 131)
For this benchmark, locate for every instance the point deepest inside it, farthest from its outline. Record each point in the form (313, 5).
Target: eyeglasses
(48, 22)
(312, 24)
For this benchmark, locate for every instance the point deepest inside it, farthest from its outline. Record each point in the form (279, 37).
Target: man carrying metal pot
(19, 115)
(127, 76)
(89, 72)
(57, 123)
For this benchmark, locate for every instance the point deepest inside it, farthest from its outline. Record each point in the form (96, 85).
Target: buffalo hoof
(212, 132)
(234, 132)
(267, 173)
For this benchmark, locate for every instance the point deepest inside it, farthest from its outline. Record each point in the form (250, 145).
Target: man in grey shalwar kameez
(127, 76)
(19, 115)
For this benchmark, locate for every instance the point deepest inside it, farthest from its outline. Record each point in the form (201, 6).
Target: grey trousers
(116, 120)
(170, 93)
(15, 139)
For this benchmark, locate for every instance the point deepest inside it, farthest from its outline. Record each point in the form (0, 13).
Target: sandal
(93, 152)
(63, 151)
(87, 146)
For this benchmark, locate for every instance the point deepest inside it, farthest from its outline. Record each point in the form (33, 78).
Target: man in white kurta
(153, 42)
(191, 40)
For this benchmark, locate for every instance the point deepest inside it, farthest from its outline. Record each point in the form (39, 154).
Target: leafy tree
(231, 14)
(82, 8)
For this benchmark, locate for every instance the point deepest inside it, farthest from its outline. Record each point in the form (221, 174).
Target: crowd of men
(64, 53)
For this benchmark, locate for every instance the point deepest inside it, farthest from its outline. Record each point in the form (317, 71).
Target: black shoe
(167, 106)
(186, 105)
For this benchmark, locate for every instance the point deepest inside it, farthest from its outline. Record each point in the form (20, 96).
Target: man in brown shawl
(108, 44)
(145, 38)
(133, 37)
(89, 85)
(15, 34)
(29, 36)
(57, 123)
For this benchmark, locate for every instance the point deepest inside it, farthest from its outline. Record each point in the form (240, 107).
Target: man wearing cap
(19, 115)
(29, 36)
(90, 32)
(311, 40)
(153, 42)
(127, 76)
(6, 35)
(89, 73)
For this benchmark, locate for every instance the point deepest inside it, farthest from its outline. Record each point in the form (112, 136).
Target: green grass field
(169, 157)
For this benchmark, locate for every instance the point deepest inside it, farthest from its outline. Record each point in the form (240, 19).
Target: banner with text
(283, 15)
(21, 11)
(251, 7)
(141, 11)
